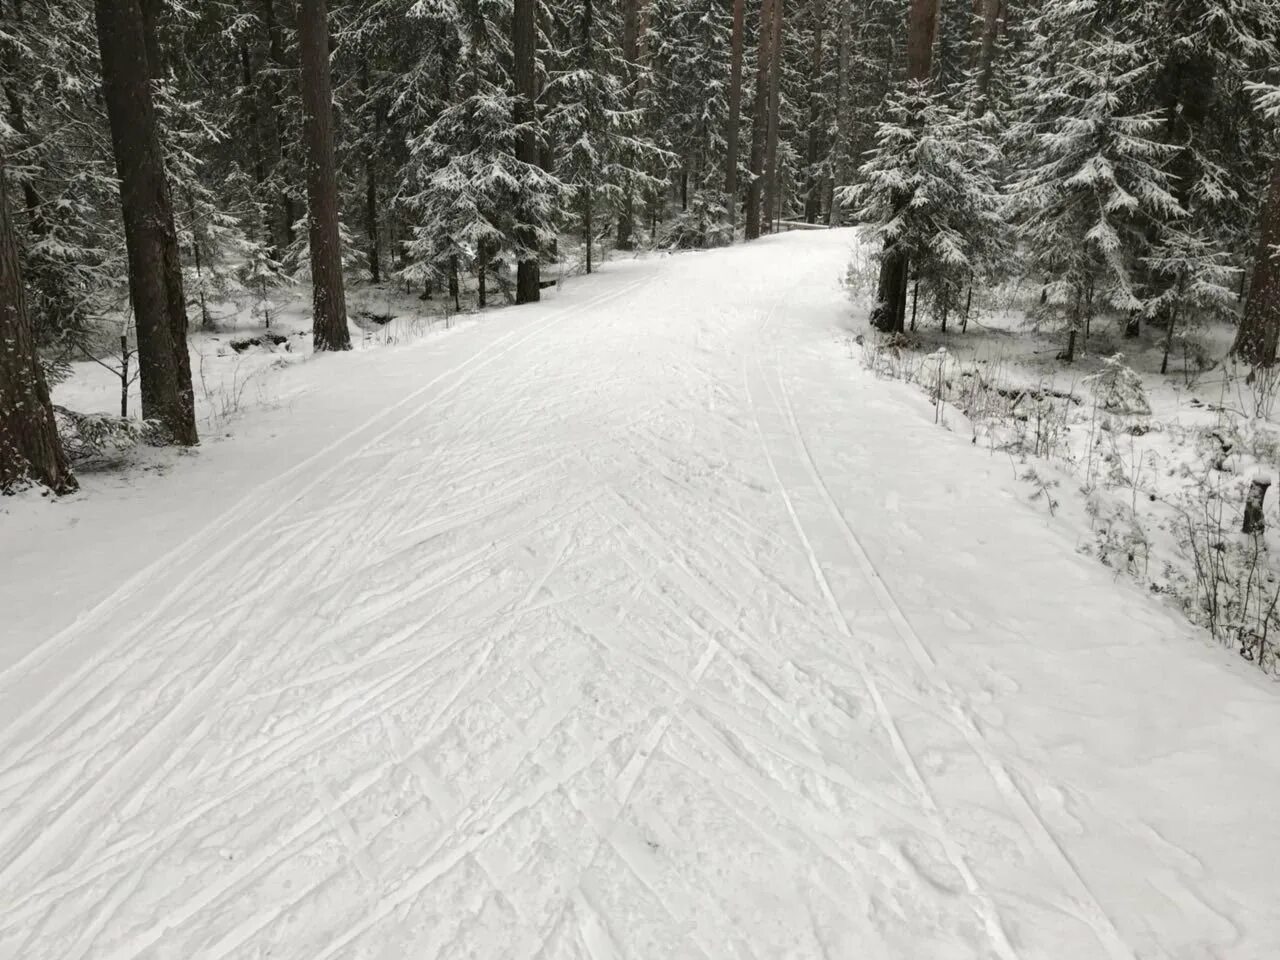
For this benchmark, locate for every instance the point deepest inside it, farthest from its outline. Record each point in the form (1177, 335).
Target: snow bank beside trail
(1151, 472)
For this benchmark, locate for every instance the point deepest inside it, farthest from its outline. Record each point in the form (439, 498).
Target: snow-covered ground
(641, 623)
(1149, 471)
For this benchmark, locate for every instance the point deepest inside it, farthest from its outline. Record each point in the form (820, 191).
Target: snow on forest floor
(640, 623)
(1151, 471)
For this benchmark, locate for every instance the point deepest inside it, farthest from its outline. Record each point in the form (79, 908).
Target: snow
(640, 623)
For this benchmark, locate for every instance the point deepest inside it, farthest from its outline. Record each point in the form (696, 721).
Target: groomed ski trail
(651, 627)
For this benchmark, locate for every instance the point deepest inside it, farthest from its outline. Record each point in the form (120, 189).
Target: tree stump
(1253, 519)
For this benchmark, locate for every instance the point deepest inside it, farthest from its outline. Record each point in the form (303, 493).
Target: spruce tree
(1093, 186)
(155, 278)
(30, 449)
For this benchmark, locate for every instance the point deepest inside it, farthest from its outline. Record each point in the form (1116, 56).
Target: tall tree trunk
(1259, 330)
(992, 13)
(152, 10)
(843, 119)
(630, 53)
(524, 38)
(889, 313)
(813, 194)
(759, 120)
(922, 27)
(735, 118)
(29, 446)
(772, 185)
(155, 277)
(329, 325)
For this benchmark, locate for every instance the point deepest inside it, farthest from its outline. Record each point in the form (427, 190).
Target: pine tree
(930, 192)
(733, 121)
(891, 295)
(329, 324)
(1093, 187)
(602, 149)
(690, 62)
(524, 37)
(474, 202)
(1259, 334)
(759, 117)
(155, 277)
(70, 237)
(30, 449)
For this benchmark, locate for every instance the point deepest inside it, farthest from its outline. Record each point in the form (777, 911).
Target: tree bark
(735, 110)
(772, 185)
(329, 324)
(760, 120)
(155, 276)
(29, 446)
(1259, 330)
(889, 313)
(1254, 517)
(922, 26)
(524, 36)
(151, 12)
(992, 14)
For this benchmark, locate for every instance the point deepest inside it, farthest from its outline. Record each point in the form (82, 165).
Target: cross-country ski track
(641, 623)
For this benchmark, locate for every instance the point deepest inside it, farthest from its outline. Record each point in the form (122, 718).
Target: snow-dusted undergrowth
(1152, 471)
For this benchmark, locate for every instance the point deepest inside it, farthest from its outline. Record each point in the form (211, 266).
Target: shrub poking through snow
(95, 438)
(1118, 388)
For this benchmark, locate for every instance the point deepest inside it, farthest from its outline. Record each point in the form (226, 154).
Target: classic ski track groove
(189, 549)
(987, 909)
(1032, 823)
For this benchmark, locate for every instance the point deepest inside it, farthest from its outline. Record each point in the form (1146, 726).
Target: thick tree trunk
(329, 325)
(772, 185)
(29, 446)
(759, 120)
(992, 14)
(891, 297)
(922, 26)
(1259, 330)
(155, 277)
(151, 13)
(735, 111)
(524, 36)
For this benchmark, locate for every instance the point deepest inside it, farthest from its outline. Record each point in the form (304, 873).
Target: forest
(639, 479)
(163, 156)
